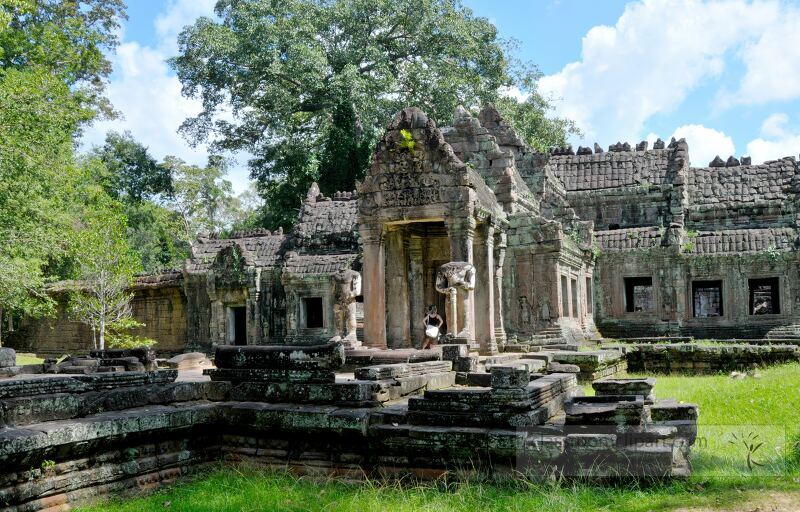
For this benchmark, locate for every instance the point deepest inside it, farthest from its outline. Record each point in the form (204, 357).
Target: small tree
(106, 267)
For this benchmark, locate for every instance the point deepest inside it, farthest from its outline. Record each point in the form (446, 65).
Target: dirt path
(769, 501)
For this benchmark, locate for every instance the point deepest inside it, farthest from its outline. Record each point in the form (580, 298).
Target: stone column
(500, 258)
(461, 232)
(398, 322)
(374, 282)
(484, 290)
(417, 290)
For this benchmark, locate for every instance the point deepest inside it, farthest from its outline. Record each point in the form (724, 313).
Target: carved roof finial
(313, 193)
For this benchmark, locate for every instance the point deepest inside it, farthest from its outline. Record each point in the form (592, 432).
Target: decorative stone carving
(452, 277)
(347, 286)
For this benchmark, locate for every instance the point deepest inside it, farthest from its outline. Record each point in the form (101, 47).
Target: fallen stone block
(8, 357)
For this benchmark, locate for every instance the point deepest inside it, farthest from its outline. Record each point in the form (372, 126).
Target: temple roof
(307, 264)
(774, 180)
(257, 251)
(744, 241)
(328, 216)
(611, 169)
(626, 239)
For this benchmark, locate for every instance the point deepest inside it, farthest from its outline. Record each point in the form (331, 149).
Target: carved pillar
(500, 258)
(416, 281)
(374, 282)
(398, 322)
(461, 232)
(484, 290)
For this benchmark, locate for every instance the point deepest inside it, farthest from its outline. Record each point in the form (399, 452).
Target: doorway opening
(237, 325)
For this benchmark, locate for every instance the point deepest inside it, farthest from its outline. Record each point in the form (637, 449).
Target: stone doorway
(237, 325)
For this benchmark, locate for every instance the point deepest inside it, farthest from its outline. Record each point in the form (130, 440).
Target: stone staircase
(785, 332)
(548, 336)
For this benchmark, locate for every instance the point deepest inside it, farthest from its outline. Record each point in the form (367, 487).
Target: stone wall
(672, 273)
(162, 309)
(703, 359)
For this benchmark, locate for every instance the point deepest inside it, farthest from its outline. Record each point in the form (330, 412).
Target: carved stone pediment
(230, 267)
(413, 167)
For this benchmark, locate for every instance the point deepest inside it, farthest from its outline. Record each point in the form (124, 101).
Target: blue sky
(723, 74)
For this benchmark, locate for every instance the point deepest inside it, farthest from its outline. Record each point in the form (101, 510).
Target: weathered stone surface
(509, 377)
(187, 361)
(705, 359)
(329, 356)
(145, 355)
(315, 375)
(392, 371)
(8, 357)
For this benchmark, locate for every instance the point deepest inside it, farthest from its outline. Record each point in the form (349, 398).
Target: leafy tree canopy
(133, 174)
(39, 182)
(290, 76)
(64, 37)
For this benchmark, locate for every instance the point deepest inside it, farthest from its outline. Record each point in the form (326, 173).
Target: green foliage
(120, 336)
(38, 184)
(105, 266)
(408, 141)
(156, 233)
(203, 199)
(772, 254)
(66, 39)
(278, 80)
(48, 465)
(133, 174)
(346, 152)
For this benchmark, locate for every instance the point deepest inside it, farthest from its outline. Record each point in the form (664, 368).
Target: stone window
(707, 298)
(589, 296)
(575, 298)
(764, 296)
(312, 309)
(639, 294)
(564, 297)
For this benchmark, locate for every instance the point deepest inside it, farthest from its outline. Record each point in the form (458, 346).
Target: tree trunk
(102, 334)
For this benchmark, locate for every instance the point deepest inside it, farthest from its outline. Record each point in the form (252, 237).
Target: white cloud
(177, 15)
(771, 60)
(148, 94)
(705, 143)
(776, 140)
(650, 60)
(775, 125)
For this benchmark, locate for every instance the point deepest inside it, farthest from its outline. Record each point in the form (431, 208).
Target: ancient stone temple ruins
(563, 246)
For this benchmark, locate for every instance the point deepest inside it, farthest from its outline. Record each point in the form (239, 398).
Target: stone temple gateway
(568, 245)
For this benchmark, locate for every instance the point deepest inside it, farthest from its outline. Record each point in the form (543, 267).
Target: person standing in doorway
(432, 323)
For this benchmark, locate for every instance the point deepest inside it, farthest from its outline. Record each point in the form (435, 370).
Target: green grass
(768, 407)
(23, 359)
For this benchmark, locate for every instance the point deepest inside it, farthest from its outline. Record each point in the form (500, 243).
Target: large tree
(52, 68)
(67, 38)
(203, 198)
(280, 79)
(133, 174)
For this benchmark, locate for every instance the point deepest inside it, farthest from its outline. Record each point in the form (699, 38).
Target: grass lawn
(732, 412)
(23, 359)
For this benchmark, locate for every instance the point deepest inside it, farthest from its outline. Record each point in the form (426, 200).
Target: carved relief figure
(525, 311)
(347, 286)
